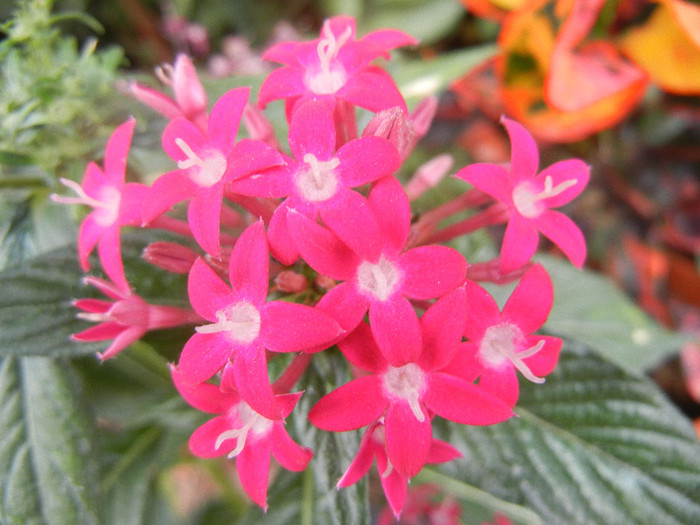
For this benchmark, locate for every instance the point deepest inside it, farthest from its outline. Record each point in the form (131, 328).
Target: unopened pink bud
(324, 283)
(429, 175)
(170, 256)
(258, 126)
(393, 125)
(291, 282)
(422, 116)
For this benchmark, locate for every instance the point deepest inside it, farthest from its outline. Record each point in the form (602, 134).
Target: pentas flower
(336, 65)
(367, 254)
(207, 161)
(242, 433)
(501, 343)
(190, 98)
(115, 204)
(529, 196)
(395, 485)
(242, 324)
(319, 179)
(406, 395)
(126, 318)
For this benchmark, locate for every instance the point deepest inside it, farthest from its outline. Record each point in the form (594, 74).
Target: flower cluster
(328, 222)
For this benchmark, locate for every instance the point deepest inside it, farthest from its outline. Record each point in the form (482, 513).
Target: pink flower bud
(170, 256)
(291, 282)
(429, 175)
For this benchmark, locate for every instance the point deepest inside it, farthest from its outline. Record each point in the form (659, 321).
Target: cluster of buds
(328, 222)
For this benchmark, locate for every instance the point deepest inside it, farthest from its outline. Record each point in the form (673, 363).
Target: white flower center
(501, 343)
(253, 423)
(380, 280)
(527, 201)
(316, 179)
(240, 320)
(106, 204)
(331, 76)
(207, 170)
(406, 382)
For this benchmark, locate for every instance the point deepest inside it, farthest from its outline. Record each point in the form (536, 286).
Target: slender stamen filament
(239, 434)
(211, 168)
(328, 47)
(93, 317)
(526, 201)
(241, 321)
(500, 343)
(517, 360)
(82, 197)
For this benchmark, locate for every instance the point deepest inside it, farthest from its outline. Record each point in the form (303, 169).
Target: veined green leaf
(47, 465)
(594, 444)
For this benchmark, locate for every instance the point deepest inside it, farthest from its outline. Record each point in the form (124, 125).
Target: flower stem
(292, 373)
(494, 214)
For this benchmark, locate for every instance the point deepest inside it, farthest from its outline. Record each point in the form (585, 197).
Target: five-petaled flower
(529, 197)
(238, 431)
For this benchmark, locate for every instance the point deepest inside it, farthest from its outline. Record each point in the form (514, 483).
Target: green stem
(307, 502)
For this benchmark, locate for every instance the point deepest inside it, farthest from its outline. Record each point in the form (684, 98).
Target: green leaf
(588, 307)
(47, 464)
(594, 444)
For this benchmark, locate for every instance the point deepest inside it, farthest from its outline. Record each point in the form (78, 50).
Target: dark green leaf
(594, 444)
(47, 464)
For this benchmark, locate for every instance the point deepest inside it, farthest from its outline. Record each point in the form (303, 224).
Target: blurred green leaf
(48, 468)
(594, 444)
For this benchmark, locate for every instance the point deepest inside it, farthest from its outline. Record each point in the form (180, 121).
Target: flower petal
(290, 455)
(563, 232)
(492, 179)
(351, 406)
(544, 361)
(360, 349)
(168, 189)
(524, 156)
(502, 382)
(203, 356)
(362, 461)
(372, 88)
(344, 304)
(203, 215)
(225, 117)
(312, 130)
(396, 330)
(482, 311)
(351, 219)
(519, 243)
(292, 327)
(531, 301)
(561, 172)
(431, 271)
(281, 83)
(392, 211)
(407, 439)
(206, 397)
(442, 326)
(203, 440)
(116, 152)
(366, 159)
(282, 245)
(249, 266)
(110, 251)
(253, 466)
(253, 383)
(88, 236)
(208, 293)
(462, 402)
(441, 452)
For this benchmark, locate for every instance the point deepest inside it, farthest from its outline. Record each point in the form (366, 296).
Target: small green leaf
(47, 464)
(594, 444)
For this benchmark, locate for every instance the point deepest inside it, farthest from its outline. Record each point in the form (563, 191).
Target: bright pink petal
(99, 306)
(396, 330)
(282, 245)
(564, 172)
(312, 130)
(462, 402)
(482, 311)
(282, 52)
(524, 156)
(95, 179)
(249, 266)
(431, 271)
(206, 397)
(203, 440)
(530, 303)
(442, 326)
(88, 236)
(388, 39)
(465, 364)
(395, 488)
(275, 182)
(544, 361)
(373, 89)
(492, 179)
(203, 215)
(519, 243)
(208, 293)
(100, 332)
(351, 406)
(203, 356)
(189, 93)
(362, 461)
(321, 249)
(253, 466)
(392, 211)
(156, 100)
(292, 327)
(360, 349)
(117, 150)
(407, 439)
(344, 304)
(250, 157)
(253, 383)
(441, 452)
(502, 382)
(290, 455)
(168, 189)
(366, 160)
(123, 340)
(131, 204)
(225, 118)
(563, 232)
(352, 220)
(181, 129)
(110, 252)
(281, 83)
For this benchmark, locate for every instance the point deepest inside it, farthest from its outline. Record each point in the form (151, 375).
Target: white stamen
(406, 382)
(241, 321)
(253, 423)
(380, 279)
(316, 179)
(527, 201)
(107, 205)
(211, 168)
(500, 343)
(329, 80)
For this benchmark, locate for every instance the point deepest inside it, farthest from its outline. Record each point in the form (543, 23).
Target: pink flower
(190, 98)
(502, 342)
(529, 196)
(115, 204)
(367, 254)
(337, 65)
(499, 519)
(242, 433)
(319, 179)
(395, 485)
(406, 395)
(126, 319)
(207, 162)
(243, 324)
